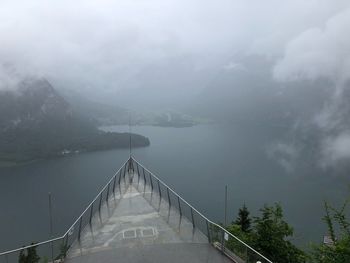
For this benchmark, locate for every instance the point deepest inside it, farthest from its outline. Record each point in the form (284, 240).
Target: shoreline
(9, 164)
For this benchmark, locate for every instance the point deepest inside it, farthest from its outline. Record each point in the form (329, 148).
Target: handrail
(183, 200)
(33, 245)
(107, 185)
(96, 197)
(72, 226)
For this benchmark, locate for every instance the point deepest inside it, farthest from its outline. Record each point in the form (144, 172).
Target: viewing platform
(136, 217)
(139, 226)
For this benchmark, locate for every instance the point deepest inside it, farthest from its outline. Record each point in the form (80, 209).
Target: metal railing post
(115, 180)
(107, 192)
(131, 170)
(100, 203)
(144, 176)
(138, 174)
(222, 241)
(180, 210)
(208, 231)
(120, 175)
(160, 192)
(91, 212)
(130, 165)
(124, 173)
(167, 189)
(150, 179)
(192, 218)
(80, 222)
(144, 180)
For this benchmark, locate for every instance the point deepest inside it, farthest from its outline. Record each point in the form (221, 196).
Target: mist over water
(197, 162)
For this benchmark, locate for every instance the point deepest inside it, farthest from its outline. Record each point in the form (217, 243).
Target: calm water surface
(197, 162)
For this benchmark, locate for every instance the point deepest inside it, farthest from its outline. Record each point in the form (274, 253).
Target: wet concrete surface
(138, 225)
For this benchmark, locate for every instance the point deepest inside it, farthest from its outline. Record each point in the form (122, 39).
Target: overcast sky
(101, 44)
(102, 47)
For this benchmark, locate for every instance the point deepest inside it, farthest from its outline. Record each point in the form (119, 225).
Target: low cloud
(324, 53)
(319, 52)
(9, 77)
(232, 66)
(336, 149)
(285, 154)
(103, 45)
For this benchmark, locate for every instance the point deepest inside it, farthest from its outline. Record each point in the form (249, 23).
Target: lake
(196, 161)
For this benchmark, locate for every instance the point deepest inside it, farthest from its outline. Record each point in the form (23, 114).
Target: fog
(102, 45)
(252, 94)
(156, 55)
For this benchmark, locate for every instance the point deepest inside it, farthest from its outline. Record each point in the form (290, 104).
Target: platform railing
(55, 249)
(218, 236)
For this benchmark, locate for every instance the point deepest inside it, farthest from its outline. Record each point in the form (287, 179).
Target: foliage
(22, 145)
(268, 234)
(30, 256)
(63, 251)
(237, 231)
(243, 220)
(22, 257)
(339, 250)
(232, 244)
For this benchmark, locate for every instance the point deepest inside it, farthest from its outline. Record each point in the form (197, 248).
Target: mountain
(37, 122)
(244, 90)
(101, 114)
(308, 119)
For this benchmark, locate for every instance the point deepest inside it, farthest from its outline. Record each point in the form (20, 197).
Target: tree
(243, 220)
(338, 251)
(22, 257)
(269, 237)
(267, 233)
(30, 257)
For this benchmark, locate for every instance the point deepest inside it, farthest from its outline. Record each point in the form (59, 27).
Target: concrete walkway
(139, 226)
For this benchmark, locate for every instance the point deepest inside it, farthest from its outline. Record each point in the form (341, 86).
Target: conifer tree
(270, 237)
(243, 219)
(32, 256)
(22, 257)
